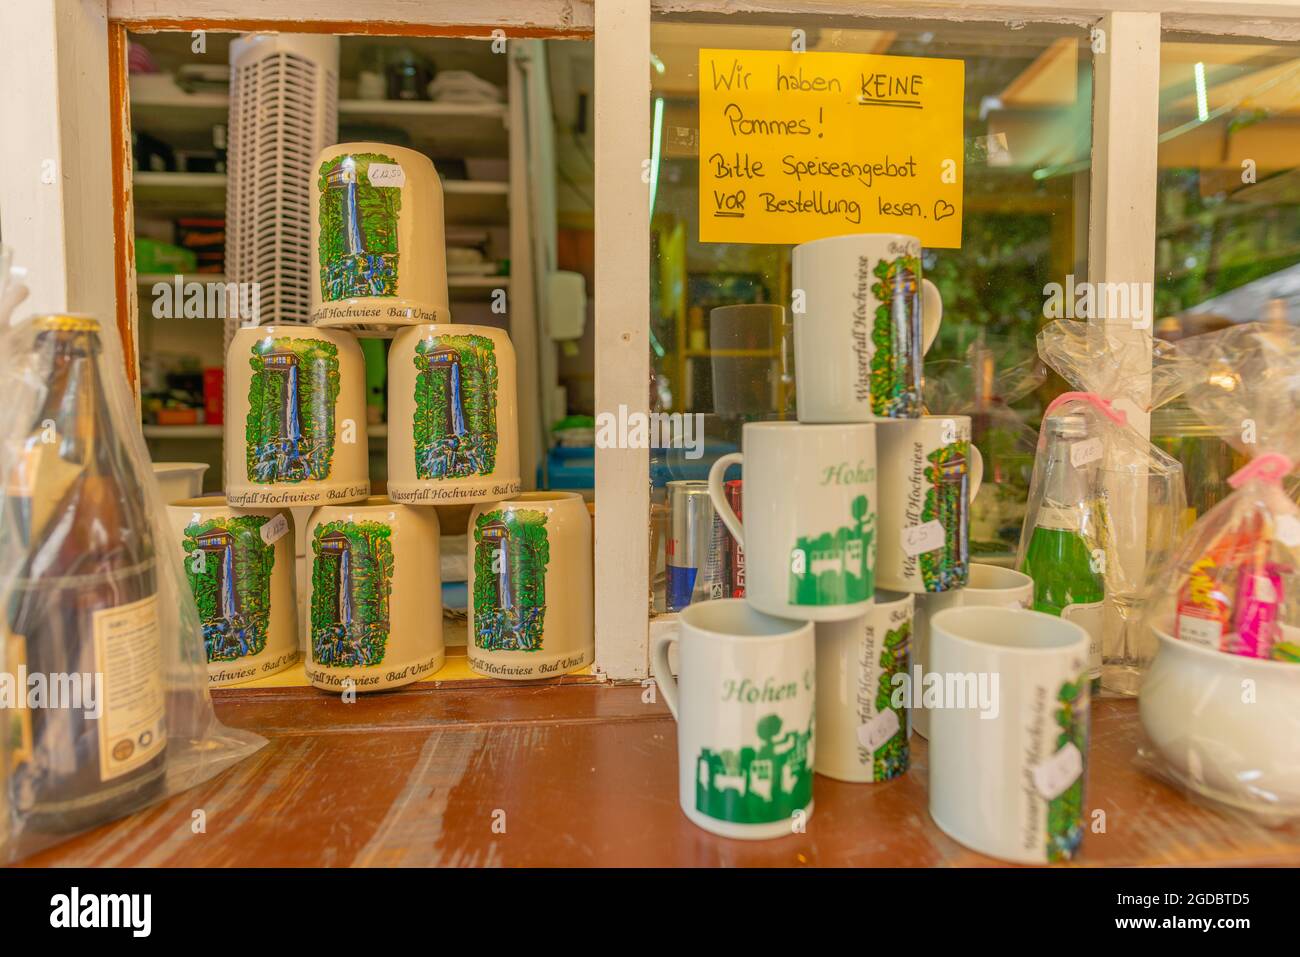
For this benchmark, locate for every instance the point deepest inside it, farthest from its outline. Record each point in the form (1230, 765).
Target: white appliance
(283, 111)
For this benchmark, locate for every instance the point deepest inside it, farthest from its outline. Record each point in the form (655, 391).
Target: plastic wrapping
(1106, 507)
(994, 374)
(1221, 704)
(103, 677)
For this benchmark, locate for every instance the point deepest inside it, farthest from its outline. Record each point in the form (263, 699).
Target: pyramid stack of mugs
(858, 585)
(296, 436)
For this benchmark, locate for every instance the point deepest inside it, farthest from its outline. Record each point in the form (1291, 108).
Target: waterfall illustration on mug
(289, 434)
(896, 365)
(357, 244)
(947, 475)
(455, 426)
(228, 567)
(511, 554)
(351, 583)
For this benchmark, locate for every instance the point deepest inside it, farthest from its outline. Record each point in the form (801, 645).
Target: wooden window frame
(61, 51)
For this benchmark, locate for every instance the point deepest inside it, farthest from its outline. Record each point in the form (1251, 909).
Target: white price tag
(386, 174)
(1058, 772)
(878, 730)
(917, 539)
(1081, 453)
(275, 529)
(1288, 530)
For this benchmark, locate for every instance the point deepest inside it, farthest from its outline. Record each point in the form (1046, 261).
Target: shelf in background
(441, 130)
(150, 278)
(182, 120)
(179, 194)
(204, 431)
(471, 202)
(475, 288)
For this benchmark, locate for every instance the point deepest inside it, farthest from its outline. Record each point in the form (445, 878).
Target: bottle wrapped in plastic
(103, 687)
(1221, 703)
(1105, 507)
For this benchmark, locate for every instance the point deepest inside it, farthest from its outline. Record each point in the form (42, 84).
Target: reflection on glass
(1027, 127)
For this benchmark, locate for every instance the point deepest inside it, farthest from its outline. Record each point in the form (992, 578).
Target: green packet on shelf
(153, 256)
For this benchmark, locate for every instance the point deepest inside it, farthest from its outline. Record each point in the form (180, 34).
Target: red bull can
(696, 551)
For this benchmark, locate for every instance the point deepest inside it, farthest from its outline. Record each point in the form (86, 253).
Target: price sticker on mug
(1088, 450)
(874, 733)
(918, 539)
(386, 174)
(275, 529)
(1053, 776)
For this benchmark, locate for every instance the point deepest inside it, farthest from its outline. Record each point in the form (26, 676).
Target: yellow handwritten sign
(800, 146)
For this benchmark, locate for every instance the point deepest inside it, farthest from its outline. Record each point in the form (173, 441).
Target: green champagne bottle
(1068, 581)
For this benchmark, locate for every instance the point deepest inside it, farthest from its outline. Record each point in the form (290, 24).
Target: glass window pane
(1027, 145)
(1227, 212)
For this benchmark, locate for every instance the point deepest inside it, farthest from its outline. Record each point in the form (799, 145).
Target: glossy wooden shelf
(585, 774)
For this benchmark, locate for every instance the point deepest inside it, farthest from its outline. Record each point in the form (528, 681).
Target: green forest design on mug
(757, 785)
(351, 583)
(511, 555)
(455, 407)
(947, 476)
(357, 239)
(228, 567)
(289, 432)
(896, 360)
(834, 568)
(894, 756)
(1065, 811)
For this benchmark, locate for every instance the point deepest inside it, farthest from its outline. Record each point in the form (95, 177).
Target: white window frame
(58, 50)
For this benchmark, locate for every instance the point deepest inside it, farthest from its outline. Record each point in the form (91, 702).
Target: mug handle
(663, 674)
(976, 471)
(931, 313)
(720, 504)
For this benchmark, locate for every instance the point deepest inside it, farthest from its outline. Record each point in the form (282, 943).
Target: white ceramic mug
(988, 586)
(239, 564)
(868, 318)
(1240, 749)
(1008, 752)
(453, 421)
(861, 721)
(929, 473)
(809, 502)
(744, 707)
(378, 256)
(530, 586)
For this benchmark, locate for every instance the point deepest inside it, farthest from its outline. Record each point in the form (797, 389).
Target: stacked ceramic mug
(453, 419)
(856, 530)
(296, 436)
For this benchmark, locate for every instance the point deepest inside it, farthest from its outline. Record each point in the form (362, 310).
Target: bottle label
(128, 653)
(1089, 616)
(1063, 517)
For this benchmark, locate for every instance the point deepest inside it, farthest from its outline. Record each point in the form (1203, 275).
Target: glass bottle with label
(1068, 579)
(82, 612)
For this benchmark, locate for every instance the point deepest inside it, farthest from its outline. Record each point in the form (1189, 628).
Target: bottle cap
(67, 322)
(1067, 426)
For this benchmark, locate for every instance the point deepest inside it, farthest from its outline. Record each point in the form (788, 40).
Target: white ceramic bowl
(1227, 726)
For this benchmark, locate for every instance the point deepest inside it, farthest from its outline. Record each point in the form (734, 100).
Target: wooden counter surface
(577, 773)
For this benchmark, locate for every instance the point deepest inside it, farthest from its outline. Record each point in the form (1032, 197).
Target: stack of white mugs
(863, 618)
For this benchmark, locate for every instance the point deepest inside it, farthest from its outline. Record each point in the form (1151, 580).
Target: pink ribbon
(1270, 468)
(1103, 405)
